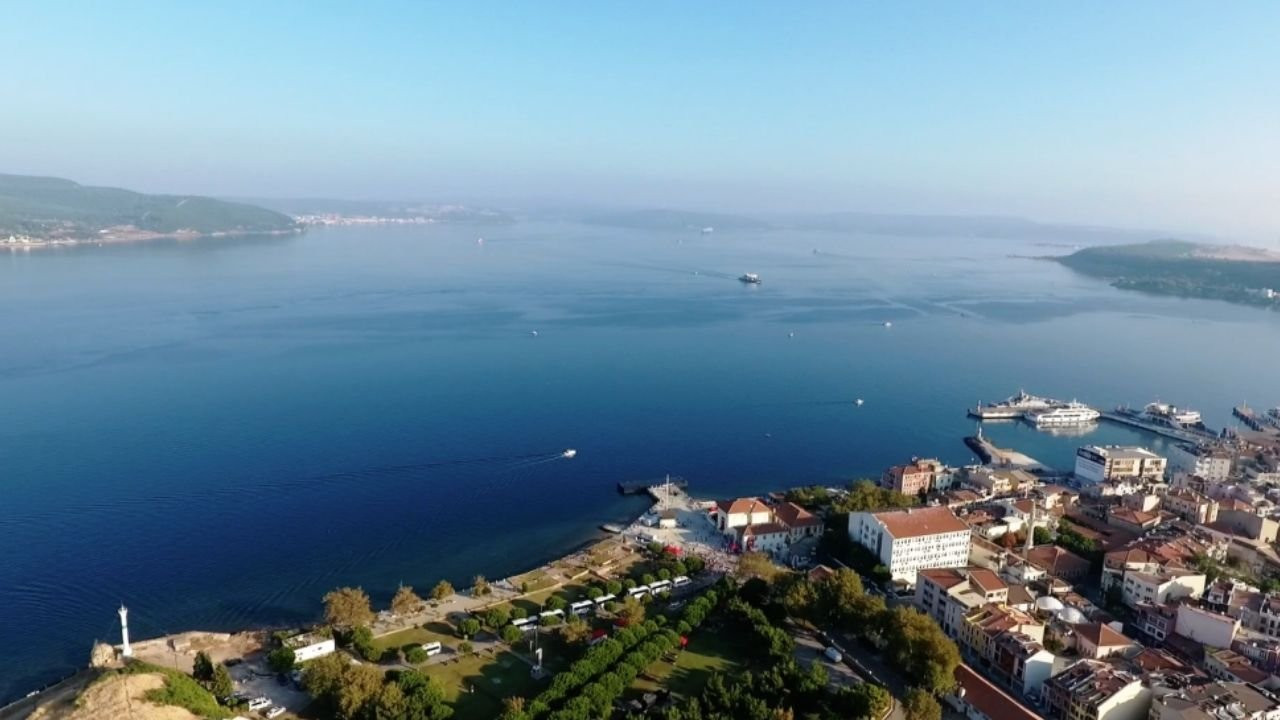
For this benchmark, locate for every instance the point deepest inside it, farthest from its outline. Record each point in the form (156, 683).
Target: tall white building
(1103, 463)
(1204, 462)
(907, 541)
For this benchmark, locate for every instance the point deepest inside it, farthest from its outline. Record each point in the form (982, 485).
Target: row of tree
(213, 677)
(360, 692)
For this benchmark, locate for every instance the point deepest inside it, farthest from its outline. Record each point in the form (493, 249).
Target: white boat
(888, 324)
(858, 402)
(1013, 407)
(569, 454)
(750, 278)
(1165, 414)
(1072, 413)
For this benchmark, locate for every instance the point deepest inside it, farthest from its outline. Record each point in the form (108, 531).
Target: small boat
(888, 324)
(708, 230)
(614, 528)
(479, 241)
(533, 333)
(569, 454)
(791, 334)
(750, 278)
(858, 402)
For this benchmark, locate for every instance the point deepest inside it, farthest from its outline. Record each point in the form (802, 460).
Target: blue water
(217, 433)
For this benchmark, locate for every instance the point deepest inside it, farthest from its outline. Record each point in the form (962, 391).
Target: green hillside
(1173, 267)
(45, 207)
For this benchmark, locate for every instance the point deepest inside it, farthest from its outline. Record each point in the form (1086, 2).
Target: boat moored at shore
(1069, 414)
(1013, 407)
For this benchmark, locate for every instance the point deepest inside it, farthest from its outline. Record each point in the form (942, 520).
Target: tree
(1042, 536)
(555, 602)
(920, 705)
(362, 643)
(415, 654)
(390, 703)
(405, 601)
(511, 634)
(756, 565)
(695, 564)
(513, 708)
(613, 587)
(424, 697)
(496, 617)
(917, 647)
(465, 647)
(468, 627)
(281, 660)
(655, 547)
(442, 590)
(202, 668)
(575, 630)
(593, 592)
(480, 587)
(360, 687)
(347, 607)
(519, 613)
(838, 594)
(324, 676)
(221, 685)
(631, 612)
(1009, 541)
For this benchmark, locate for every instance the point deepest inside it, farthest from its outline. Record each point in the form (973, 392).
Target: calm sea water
(217, 433)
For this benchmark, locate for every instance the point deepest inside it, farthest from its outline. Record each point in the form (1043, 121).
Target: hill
(1236, 274)
(54, 209)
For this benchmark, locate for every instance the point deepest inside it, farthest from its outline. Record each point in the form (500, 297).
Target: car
(833, 654)
(274, 712)
(259, 703)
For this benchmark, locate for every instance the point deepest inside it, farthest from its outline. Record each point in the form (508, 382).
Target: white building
(907, 541)
(1212, 465)
(309, 646)
(1199, 701)
(1205, 627)
(1161, 586)
(1095, 464)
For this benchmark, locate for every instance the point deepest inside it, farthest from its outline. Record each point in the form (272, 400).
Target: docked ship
(1159, 413)
(750, 278)
(1014, 407)
(1069, 414)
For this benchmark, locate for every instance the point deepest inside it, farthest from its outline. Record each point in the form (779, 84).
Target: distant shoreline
(138, 236)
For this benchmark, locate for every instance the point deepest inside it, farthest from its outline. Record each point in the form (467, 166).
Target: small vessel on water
(1072, 413)
(1013, 407)
(614, 528)
(858, 402)
(750, 278)
(888, 324)
(708, 230)
(533, 333)
(569, 454)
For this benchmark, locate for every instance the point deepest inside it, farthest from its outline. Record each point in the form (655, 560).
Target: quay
(642, 487)
(1002, 457)
(1192, 436)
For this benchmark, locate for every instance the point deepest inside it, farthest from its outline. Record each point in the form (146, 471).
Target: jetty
(641, 487)
(1183, 434)
(1002, 457)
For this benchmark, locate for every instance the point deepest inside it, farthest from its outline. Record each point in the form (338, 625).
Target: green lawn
(475, 686)
(708, 652)
(436, 632)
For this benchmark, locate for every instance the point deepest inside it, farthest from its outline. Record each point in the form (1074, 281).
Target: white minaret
(125, 649)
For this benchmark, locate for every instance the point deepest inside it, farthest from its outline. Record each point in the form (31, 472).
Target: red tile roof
(743, 505)
(1101, 635)
(946, 578)
(920, 522)
(990, 700)
(986, 581)
(792, 515)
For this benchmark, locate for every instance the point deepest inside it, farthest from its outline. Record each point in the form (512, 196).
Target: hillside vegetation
(54, 208)
(1173, 267)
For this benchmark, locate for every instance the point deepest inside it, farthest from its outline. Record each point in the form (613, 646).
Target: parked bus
(636, 592)
(582, 608)
(679, 581)
(433, 648)
(604, 599)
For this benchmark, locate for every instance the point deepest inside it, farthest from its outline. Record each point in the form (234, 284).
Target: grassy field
(475, 686)
(708, 652)
(434, 632)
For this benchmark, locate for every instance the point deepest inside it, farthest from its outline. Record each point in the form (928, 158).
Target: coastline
(142, 237)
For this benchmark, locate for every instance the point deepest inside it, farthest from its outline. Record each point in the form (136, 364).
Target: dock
(641, 487)
(1191, 436)
(1246, 415)
(1002, 457)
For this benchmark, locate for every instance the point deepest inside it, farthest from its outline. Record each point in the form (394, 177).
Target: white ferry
(750, 278)
(1013, 407)
(1072, 413)
(1164, 414)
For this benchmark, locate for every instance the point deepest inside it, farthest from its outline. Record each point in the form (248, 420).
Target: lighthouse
(125, 650)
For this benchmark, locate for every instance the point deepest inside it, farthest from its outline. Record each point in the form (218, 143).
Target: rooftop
(743, 505)
(990, 700)
(792, 515)
(920, 522)
(1122, 452)
(1101, 635)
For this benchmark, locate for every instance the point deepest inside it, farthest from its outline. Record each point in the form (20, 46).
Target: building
(1098, 640)
(995, 482)
(1103, 463)
(1021, 662)
(1155, 622)
(1161, 586)
(1133, 521)
(982, 626)
(907, 541)
(1206, 627)
(1233, 667)
(1211, 464)
(1191, 506)
(1095, 690)
(912, 479)
(1214, 701)
(760, 527)
(1059, 562)
(977, 698)
(668, 519)
(309, 646)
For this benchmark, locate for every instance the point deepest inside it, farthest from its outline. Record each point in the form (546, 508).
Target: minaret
(125, 649)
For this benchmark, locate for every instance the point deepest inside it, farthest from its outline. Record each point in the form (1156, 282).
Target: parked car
(274, 712)
(833, 654)
(259, 703)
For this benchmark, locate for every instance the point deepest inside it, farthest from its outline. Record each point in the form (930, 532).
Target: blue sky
(1163, 114)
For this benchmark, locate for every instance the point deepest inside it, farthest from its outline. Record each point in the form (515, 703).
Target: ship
(750, 278)
(1013, 407)
(1072, 413)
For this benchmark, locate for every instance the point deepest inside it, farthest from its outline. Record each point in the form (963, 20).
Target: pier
(1002, 457)
(1191, 436)
(641, 487)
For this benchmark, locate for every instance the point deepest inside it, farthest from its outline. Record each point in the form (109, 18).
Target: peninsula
(1237, 274)
(43, 211)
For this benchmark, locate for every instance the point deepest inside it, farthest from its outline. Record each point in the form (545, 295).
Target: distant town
(1135, 585)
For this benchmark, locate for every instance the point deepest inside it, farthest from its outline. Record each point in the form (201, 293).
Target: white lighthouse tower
(125, 649)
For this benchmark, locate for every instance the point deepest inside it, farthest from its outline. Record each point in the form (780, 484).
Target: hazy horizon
(1146, 115)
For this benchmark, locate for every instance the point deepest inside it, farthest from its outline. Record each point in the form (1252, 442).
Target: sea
(214, 433)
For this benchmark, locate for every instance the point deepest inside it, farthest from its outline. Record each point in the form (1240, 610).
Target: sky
(1141, 114)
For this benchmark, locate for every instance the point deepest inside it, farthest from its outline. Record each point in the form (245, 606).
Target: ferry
(750, 278)
(1160, 413)
(1072, 413)
(1013, 407)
